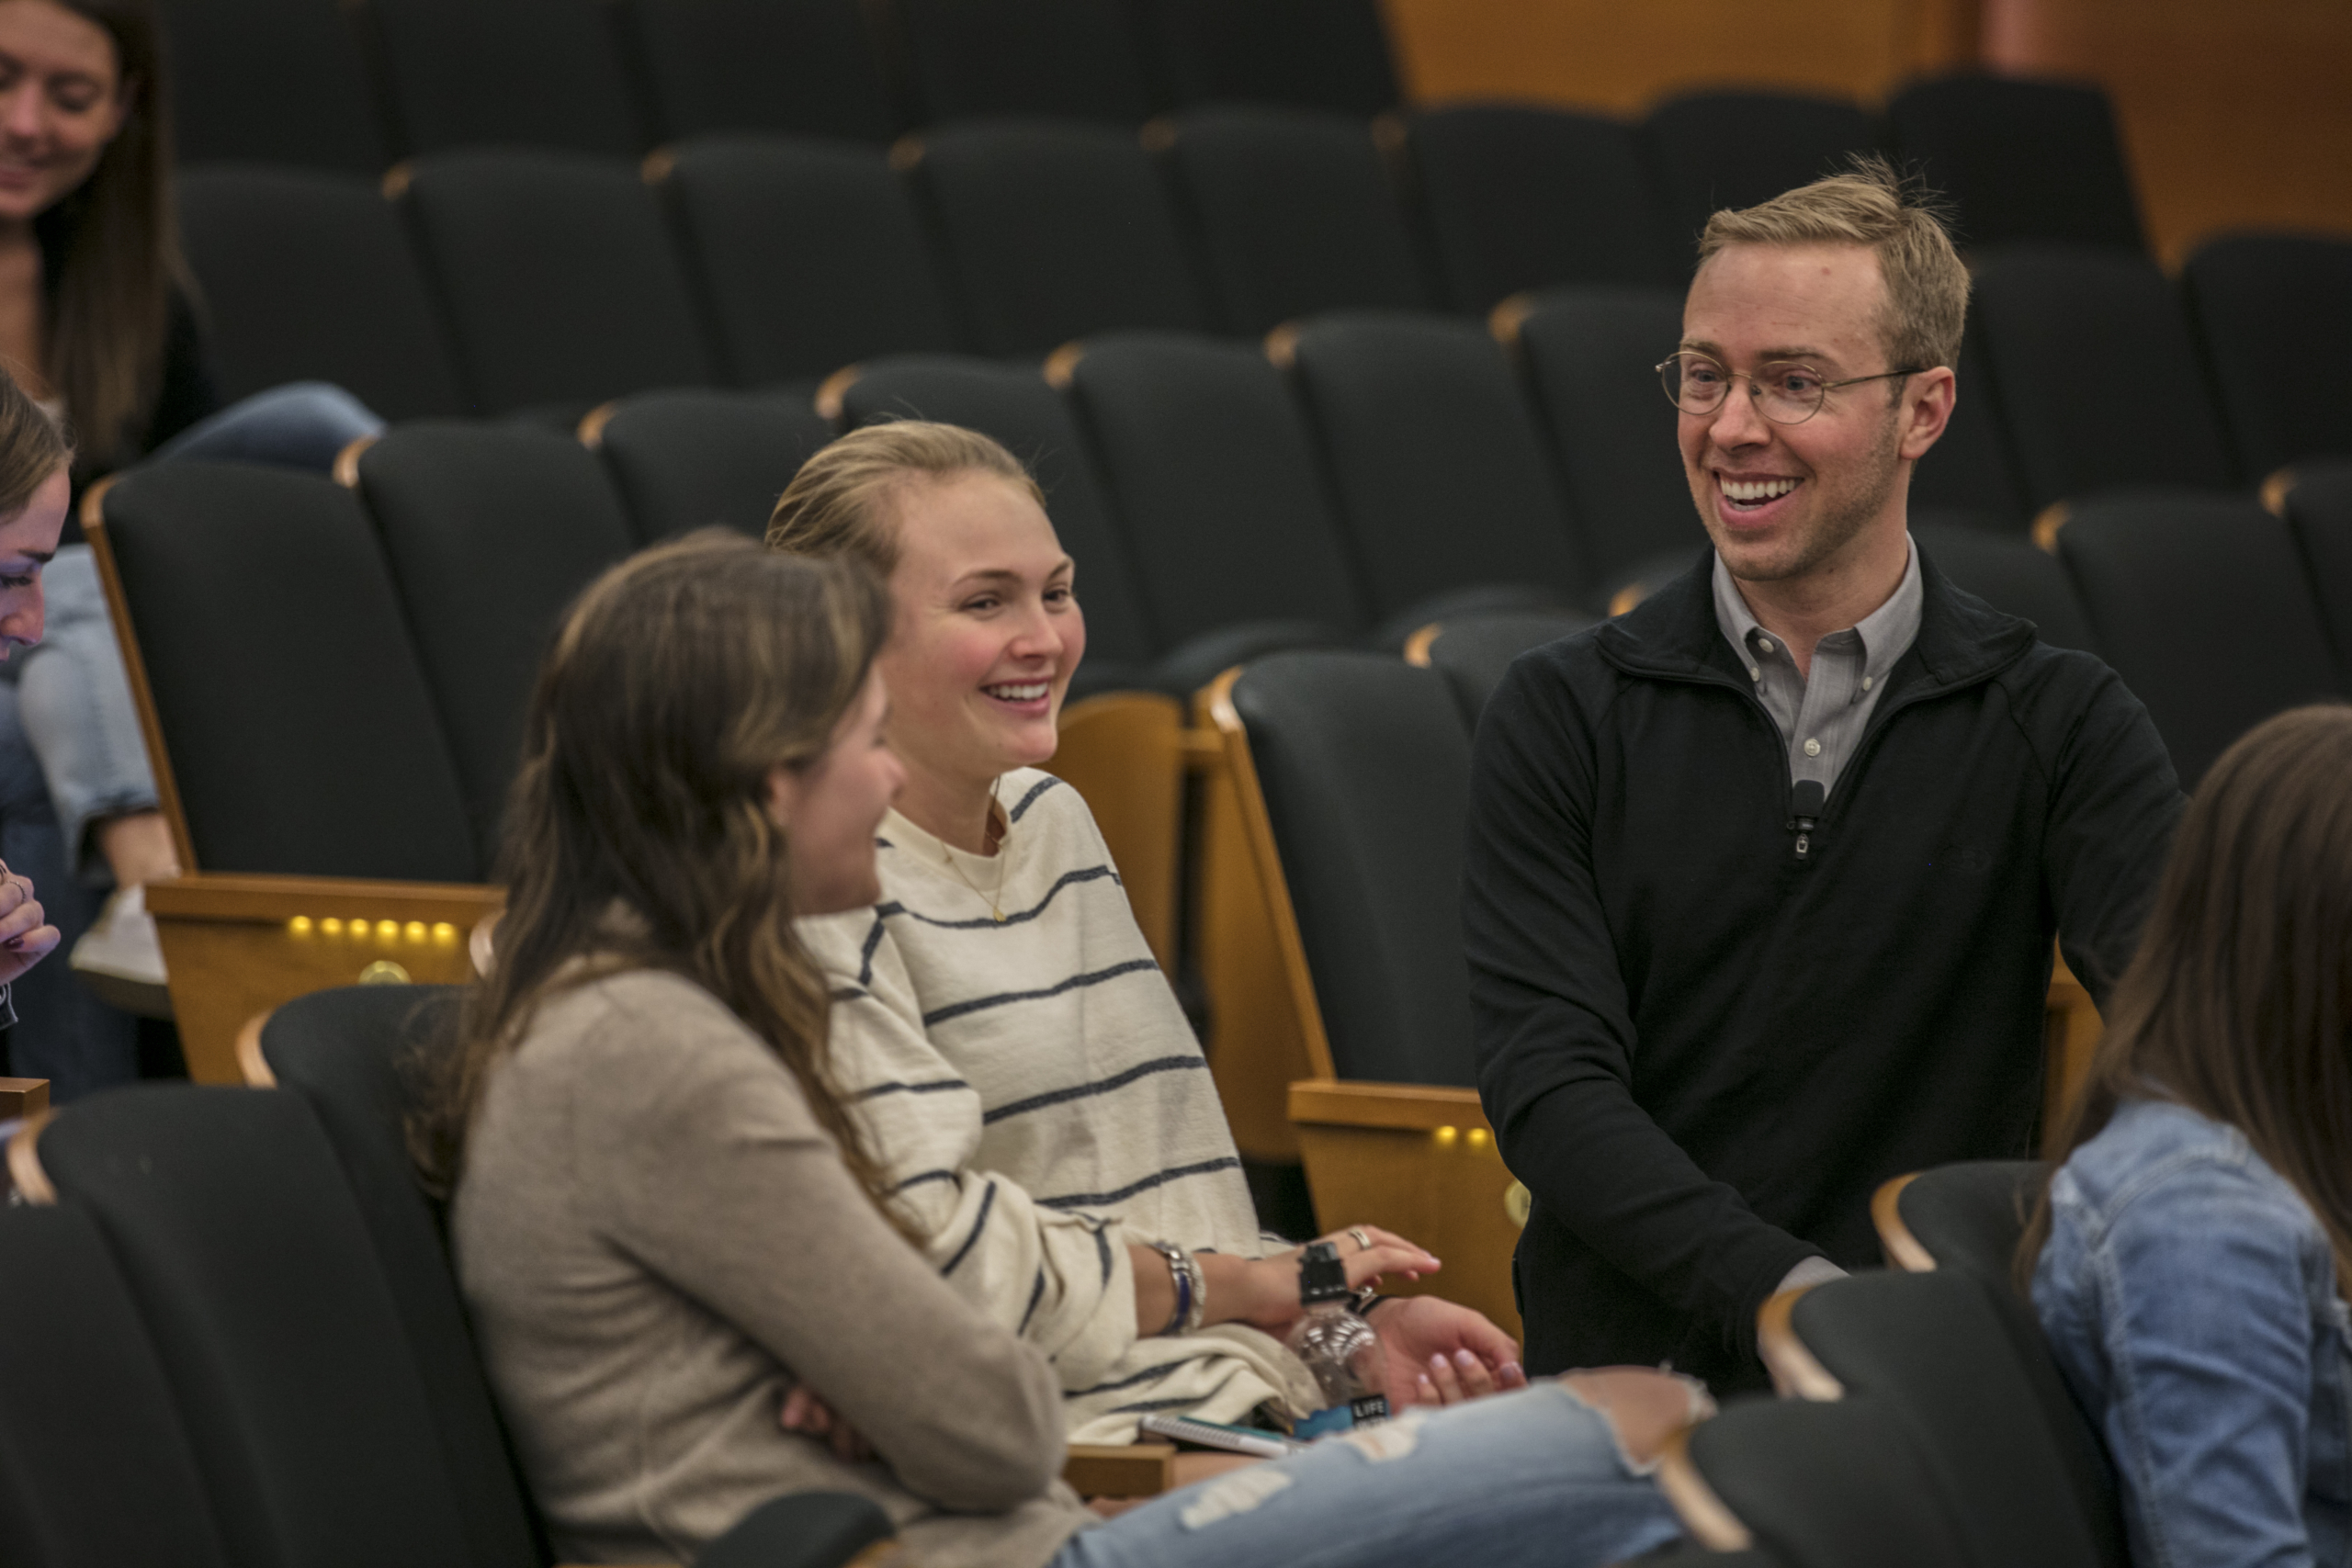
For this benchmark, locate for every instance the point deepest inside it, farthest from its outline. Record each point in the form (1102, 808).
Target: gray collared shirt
(1822, 719)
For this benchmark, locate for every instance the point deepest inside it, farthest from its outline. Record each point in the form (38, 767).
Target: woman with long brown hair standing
(100, 323)
(2189, 1258)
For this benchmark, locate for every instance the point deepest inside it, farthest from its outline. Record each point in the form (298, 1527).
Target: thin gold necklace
(993, 900)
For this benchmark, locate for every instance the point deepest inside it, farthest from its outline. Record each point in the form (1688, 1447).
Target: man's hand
(26, 935)
(1440, 1353)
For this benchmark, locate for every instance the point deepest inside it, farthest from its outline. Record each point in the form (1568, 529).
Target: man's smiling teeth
(1759, 490)
(1026, 693)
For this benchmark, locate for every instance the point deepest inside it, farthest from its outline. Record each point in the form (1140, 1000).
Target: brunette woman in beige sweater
(668, 1228)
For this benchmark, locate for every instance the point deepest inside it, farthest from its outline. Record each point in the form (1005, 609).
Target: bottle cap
(1321, 1275)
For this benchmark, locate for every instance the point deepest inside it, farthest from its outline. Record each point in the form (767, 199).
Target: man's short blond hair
(1926, 285)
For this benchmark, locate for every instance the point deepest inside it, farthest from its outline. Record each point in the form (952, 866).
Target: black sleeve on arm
(2115, 801)
(187, 392)
(1554, 1035)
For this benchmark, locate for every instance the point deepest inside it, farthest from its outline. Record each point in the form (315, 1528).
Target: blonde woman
(1051, 1126)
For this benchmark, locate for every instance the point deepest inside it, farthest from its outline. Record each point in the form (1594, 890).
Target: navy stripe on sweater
(1161, 1178)
(1003, 999)
(1087, 1090)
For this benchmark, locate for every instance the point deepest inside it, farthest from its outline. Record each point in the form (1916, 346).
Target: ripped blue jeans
(1521, 1479)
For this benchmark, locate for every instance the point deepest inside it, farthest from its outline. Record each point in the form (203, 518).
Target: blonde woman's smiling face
(987, 631)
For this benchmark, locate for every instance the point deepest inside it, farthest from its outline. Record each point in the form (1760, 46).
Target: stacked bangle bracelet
(1192, 1290)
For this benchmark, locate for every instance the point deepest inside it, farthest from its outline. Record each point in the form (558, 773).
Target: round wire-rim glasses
(1787, 391)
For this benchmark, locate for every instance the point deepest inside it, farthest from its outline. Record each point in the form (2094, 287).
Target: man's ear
(1927, 403)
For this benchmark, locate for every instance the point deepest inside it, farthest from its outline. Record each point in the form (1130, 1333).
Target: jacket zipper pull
(1805, 798)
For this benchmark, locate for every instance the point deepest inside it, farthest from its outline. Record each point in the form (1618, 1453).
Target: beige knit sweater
(657, 1239)
(1039, 1103)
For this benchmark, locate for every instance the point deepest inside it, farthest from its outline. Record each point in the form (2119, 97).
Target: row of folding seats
(499, 282)
(354, 86)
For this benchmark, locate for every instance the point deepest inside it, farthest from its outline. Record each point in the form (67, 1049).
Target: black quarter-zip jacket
(1706, 1035)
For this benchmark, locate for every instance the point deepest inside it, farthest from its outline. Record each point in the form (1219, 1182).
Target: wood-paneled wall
(2234, 113)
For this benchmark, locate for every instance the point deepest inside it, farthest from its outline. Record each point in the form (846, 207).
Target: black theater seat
(806, 67)
(519, 72)
(1521, 197)
(2270, 312)
(1074, 58)
(558, 276)
(2200, 604)
(2096, 378)
(1293, 213)
(1319, 54)
(2319, 509)
(1712, 151)
(1053, 232)
(2018, 159)
(2002, 568)
(1440, 475)
(688, 461)
(308, 277)
(1969, 468)
(1588, 356)
(271, 81)
(491, 531)
(299, 725)
(810, 253)
(1474, 652)
(1214, 480)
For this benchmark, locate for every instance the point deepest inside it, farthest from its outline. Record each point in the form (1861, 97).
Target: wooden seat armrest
(266, 898)
(1409, 1107)
(21, 1097)
(1120, 1470)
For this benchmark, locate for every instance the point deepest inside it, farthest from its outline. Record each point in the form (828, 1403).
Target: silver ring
(1362, 1240)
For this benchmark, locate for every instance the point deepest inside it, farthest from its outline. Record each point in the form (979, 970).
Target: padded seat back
(1968, 467)
(2319, 509)
(294, 709)
(1587, 356)
(345, 1053)
(1712, 151)
(2096, 379)
(1294, 213)
(307, 276)
(1520, 197)
(95, 1466)
(1053, 232)
(1073, 57)
(558, 278)
(520, 72)
(803, 67)
(1214, 479)
(1365, 770)
(1475, 652)
(250, 1264)
(1840, 1486)
(1441, 476)
(2007, 573)
(270, 82)
(2267, 310)
(811, 255)
(2018, 159)
(490, 532)
(2201, 605)
(1970, 1217)
(687, 460)
(1317, 54)
(1028, 416)
(1931, 1346)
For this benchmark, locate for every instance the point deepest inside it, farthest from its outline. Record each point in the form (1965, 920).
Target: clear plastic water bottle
(1339, 1346)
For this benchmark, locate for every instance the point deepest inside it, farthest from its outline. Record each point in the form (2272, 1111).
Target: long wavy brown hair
(113, 243)
(637, 835)
(2239, 1001)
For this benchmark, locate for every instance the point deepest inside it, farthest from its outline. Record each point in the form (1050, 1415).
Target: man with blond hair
(1762, 875)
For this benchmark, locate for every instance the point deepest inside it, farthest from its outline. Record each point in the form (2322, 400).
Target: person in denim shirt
(2188, 1260)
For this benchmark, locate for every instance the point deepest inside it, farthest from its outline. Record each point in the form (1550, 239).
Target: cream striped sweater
(1039, 1102)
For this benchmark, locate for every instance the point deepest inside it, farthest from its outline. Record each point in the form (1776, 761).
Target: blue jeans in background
(1530, 1479)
